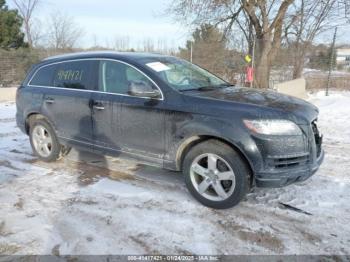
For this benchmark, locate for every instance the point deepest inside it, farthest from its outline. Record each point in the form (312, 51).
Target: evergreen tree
(210, 51)
(10, 28)
(208, 48)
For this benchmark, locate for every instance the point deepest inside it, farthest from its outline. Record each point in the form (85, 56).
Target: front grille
(288, 162)
(318, 138)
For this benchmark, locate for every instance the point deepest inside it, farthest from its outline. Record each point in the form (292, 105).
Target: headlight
(273, 127)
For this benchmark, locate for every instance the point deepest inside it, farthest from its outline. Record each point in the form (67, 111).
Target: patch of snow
(73, 208)
(124, 189)
(310, 71)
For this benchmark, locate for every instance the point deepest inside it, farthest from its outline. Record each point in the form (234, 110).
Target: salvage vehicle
(167, 112)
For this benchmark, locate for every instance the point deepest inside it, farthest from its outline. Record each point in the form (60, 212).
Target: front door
(125, 123)
(142, 127)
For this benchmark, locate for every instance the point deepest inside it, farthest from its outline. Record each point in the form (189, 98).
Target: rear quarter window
(73, 74)
(44, 76)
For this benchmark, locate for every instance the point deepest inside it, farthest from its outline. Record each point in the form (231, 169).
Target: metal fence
(14, 65)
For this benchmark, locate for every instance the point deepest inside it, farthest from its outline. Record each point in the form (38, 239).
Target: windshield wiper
(207, 88)
(225, 85)
(203, 88)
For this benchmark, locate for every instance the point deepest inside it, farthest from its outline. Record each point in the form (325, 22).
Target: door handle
(98, 106)
(49, 100)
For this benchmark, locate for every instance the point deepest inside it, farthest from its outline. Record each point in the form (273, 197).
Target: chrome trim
(99, 107)
(94, 91)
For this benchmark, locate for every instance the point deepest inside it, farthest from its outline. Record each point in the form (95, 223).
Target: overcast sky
(107, 19)
(104, 20)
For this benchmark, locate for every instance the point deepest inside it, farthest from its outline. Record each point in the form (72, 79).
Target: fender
(36, 112)
(200, 128)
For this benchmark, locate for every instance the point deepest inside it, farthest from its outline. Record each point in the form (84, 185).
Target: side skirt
(134, 156)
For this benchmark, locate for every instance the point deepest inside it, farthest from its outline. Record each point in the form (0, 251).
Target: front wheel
(216, 175)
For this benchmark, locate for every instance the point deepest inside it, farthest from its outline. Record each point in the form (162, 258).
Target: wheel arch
(32, 116)
(190, 142)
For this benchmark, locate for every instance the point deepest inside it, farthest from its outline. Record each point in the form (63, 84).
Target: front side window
(73, 74)
(182, 75)
(116, 77)
(44, 76)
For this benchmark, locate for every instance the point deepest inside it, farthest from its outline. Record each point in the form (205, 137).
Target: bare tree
(307, 20)
(263, 17)
(63, 32)
(26, 9)
(148, 45)
(95, 41)
(122, 43)
(162, 46)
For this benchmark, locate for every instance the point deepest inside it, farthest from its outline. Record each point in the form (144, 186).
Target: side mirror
(143, 89)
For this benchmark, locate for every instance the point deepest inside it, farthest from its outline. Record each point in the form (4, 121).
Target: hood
(262, 98)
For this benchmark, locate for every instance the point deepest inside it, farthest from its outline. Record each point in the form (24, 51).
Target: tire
(212, 166)
(44, 141)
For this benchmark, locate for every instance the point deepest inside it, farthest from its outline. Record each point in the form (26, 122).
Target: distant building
(343, 57)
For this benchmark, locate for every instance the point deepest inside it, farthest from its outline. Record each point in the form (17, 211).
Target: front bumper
(290, 160)
(287, 177)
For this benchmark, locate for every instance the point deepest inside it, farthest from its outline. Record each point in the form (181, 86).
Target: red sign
(249, 74)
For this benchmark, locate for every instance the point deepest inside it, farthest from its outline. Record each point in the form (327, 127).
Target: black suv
(167, 112)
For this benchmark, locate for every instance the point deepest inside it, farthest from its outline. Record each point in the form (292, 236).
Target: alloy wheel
(212, 177)
(42, 141)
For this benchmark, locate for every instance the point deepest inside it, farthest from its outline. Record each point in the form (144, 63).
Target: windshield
(182, 75)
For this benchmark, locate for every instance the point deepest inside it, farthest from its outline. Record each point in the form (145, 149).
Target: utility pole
(331, 62)
(191, 51)
(253, 60)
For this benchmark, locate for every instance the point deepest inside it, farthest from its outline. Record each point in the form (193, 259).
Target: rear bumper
(287, 177)
(20, 122)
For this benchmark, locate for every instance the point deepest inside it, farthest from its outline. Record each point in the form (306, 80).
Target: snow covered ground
(317, 72)
(72, 207)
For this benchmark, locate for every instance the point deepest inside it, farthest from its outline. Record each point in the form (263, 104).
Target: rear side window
(75, 75)
(43, 76)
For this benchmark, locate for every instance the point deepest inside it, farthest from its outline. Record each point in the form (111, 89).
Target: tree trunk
(263, 62)
(262, 72)
(298, 68)
(298, 65)
(28, 33)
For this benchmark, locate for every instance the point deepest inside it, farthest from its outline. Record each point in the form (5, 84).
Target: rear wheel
(216, 175)
(44, 141)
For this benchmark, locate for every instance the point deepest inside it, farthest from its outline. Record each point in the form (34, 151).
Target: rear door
(106, 106)
(67, 101)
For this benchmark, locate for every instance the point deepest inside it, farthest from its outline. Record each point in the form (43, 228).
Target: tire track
(7, 120)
